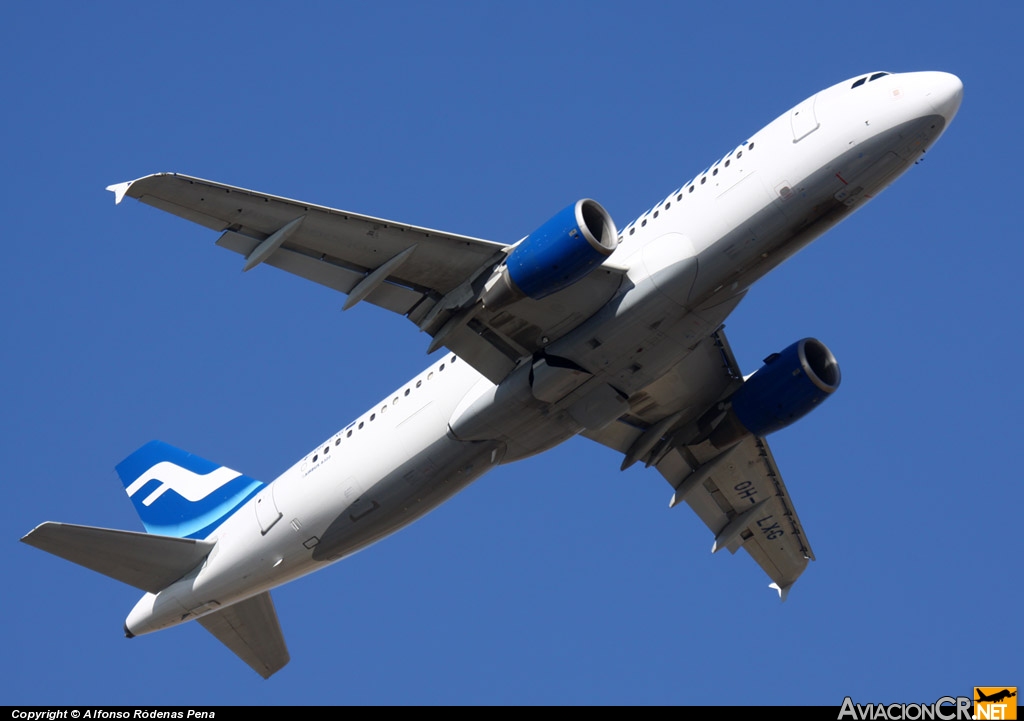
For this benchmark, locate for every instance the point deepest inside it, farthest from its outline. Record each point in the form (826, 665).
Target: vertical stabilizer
(180, 494)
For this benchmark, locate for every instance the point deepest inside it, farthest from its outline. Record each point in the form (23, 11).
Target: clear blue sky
(558, 579)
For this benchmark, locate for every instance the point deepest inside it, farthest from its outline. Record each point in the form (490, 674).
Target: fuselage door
(266, 509)
(803, 119)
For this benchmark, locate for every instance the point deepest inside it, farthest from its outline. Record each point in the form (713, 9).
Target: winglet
(119, 189)
(783, 590)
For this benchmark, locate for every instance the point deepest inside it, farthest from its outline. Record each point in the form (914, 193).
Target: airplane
(577, 329)
(996, 697)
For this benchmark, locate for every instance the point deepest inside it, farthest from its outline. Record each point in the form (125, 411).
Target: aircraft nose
(944, 91)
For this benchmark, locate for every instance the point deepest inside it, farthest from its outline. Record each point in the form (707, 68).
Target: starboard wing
(426, 275)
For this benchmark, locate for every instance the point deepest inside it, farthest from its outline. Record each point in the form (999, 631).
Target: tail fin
(179, 494)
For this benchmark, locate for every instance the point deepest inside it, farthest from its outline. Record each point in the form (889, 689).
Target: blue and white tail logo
(179, 494)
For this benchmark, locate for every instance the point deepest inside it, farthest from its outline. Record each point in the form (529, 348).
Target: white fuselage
(690, 260)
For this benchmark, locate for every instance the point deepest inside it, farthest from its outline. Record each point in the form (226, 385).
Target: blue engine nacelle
(786, 388)
(556, 255)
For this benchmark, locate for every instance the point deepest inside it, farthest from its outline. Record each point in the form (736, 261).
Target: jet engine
(556, 255)
(786, 388)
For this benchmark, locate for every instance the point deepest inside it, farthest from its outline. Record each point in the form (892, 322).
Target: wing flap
(389, 296)
(395, 298)
(251, 630)
(489, 357)
(143, 560)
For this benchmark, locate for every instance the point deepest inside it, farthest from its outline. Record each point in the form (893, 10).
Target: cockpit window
(858, 83)
(876, 76)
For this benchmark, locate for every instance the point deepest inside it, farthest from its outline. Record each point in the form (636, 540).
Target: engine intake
(559, 253)
(786, 388)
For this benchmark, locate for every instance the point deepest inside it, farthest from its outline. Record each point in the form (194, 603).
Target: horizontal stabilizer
(143, 560)
(251, 630)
